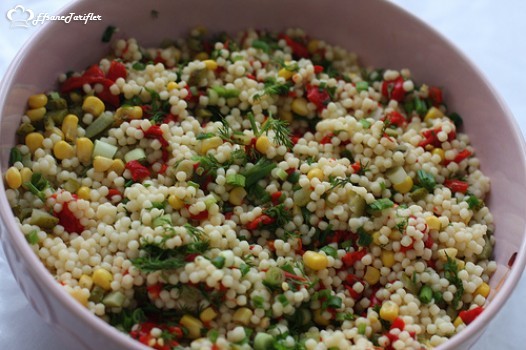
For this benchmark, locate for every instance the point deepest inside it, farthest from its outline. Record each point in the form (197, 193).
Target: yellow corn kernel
(315, 261)
(404, 186)
(85, 281)
(208, 314)
(319, 319)
(433, 223)
(460, 264)
(262, 144)
(84, 150)
(36, 114)
(285, 73)
(176, 202)
(210, 64)
(376, 238)
(201, 56)
(102, 278)
(440, 152)
(54, 131)
(433, 113)
(313, 45)
(242, 315)
(210, 143)
(101, 163)
(63, 150)
(84, 192)
(117, 166)
(445, 253)
(388, 258)
(127, 113)
(286, 116)
(237, 195)
(372, 275)
(93, 105)
(26, 174)
(483, 290)
(37, 101)
(193, 325)
(69, 127)
(171, 86)
(315, 173)
(13, 178)
(34, 141)
(300, 106)
(458, 322)
(389, 311)
(80, 296)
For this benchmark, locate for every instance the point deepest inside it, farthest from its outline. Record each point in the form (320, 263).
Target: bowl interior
(372, 29)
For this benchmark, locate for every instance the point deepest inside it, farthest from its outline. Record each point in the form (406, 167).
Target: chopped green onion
(281, 174)
(226, 93)
(104, 149)
(364, 238)
(283, 299)
(139, 66)
(426, 294)
(135, 154)
(219, 261)
(273, 277)
(334, 302)
(362, 86)
(456, 118)
(262, 45)
(244, 268)
(236, 180)
(362, 327)
(474, 203)
(14, 156)
(330, 251)
(426, 180)
(108, 33)
(259, 171)
(293, 177)
(381, 204)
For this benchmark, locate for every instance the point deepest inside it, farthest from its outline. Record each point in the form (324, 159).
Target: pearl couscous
(259, 191)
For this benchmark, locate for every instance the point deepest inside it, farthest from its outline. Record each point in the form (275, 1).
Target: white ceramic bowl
(382, 34)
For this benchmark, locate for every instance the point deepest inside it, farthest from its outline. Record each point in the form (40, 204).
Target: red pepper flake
(394, 89)
(138, 171)
(469, 316)
(68, 220)
(456, 185)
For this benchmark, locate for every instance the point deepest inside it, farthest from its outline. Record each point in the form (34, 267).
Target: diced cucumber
(43, 219)
(396, 175)
(357, 205)
(135, 154)
(235, 180)
(104, 121)
(281, 174)
(113, 299)
(104, 149)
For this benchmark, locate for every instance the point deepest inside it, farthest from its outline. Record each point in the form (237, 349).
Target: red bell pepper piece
(117, 70)
(155, 132)
(398, 323)
(394, 89)
(352, 257)
(460, 156)
(299, 50)
(138, 171)
(469, 316)
(260, 221)
(276, 197)
(199, 216)
(456, 185)
(435, 94)
(319, 98)
(356, 166)
(395, 118)
(155, 290)
(318, 69)
(68, 220)
(327, 139)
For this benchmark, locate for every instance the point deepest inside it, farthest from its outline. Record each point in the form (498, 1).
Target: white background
(489, 32)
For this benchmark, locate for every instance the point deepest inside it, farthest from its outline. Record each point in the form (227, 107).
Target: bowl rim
(41, 273)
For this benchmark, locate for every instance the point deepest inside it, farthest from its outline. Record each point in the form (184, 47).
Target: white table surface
(489, 32)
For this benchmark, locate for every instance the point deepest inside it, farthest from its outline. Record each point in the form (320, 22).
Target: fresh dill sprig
(339, 182)
(281, 214)
(281, 131)
(273, 87)
(196, 232)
